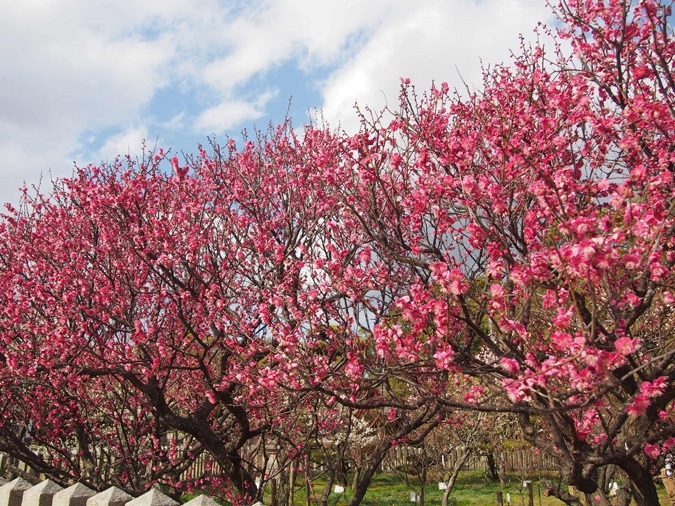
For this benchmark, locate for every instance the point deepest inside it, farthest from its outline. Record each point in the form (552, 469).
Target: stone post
(11, 494)
(3, 463)
(75, 495)
(41, 494)
(153, 497)
(202, 500)
(110, 497)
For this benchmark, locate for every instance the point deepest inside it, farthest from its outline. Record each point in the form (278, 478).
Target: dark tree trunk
(554, 490)
(329, 485)
(492, 466)
(457, 466)
(643, 488)
(367, 475)
(423, 482)
(357, 476)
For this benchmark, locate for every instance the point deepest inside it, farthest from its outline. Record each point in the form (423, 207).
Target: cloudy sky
(83, 80)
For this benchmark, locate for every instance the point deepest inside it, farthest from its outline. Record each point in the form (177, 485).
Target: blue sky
(83, 81)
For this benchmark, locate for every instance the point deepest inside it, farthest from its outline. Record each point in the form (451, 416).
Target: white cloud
(428, 41)
(230, 113)
(273, 31)
(175, 123)
(73, 69)
(127, 142)
(24, 160)
(67, 69)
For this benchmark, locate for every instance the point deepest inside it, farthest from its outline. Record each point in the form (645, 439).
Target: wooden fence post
(273, 492)
(530, 492)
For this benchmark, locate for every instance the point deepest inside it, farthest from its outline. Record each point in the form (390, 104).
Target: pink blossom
(631, 261)
(562, 340)
(562, 319)
(474, 394)
(510, 365)
(668, 444)
(658, 272)
(444, 358)
(452, 281)
(625, 345)
(515, 391)
(638, 406)
(654, 388)
(652, 451)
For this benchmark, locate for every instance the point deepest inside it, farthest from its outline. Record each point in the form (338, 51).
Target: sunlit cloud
(82, 79)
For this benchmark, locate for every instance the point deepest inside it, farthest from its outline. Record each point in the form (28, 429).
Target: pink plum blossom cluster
(508, 251)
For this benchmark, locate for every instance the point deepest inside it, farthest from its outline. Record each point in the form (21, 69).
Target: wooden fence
(520, 460)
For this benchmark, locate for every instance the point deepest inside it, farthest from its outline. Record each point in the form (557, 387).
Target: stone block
(153, 497)
(41, 494)
(202, 500)
(11, 494)
(110, 497)
(75, 495)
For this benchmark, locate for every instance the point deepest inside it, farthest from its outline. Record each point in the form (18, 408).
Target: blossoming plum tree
(509, 250)
(130, 292)
(532, 225)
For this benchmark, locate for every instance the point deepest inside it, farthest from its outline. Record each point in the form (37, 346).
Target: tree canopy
(506, 250)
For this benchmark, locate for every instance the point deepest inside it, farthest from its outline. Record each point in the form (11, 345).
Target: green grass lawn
(472, 489)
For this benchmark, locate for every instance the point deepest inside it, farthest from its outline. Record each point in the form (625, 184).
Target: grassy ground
(471, 489)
